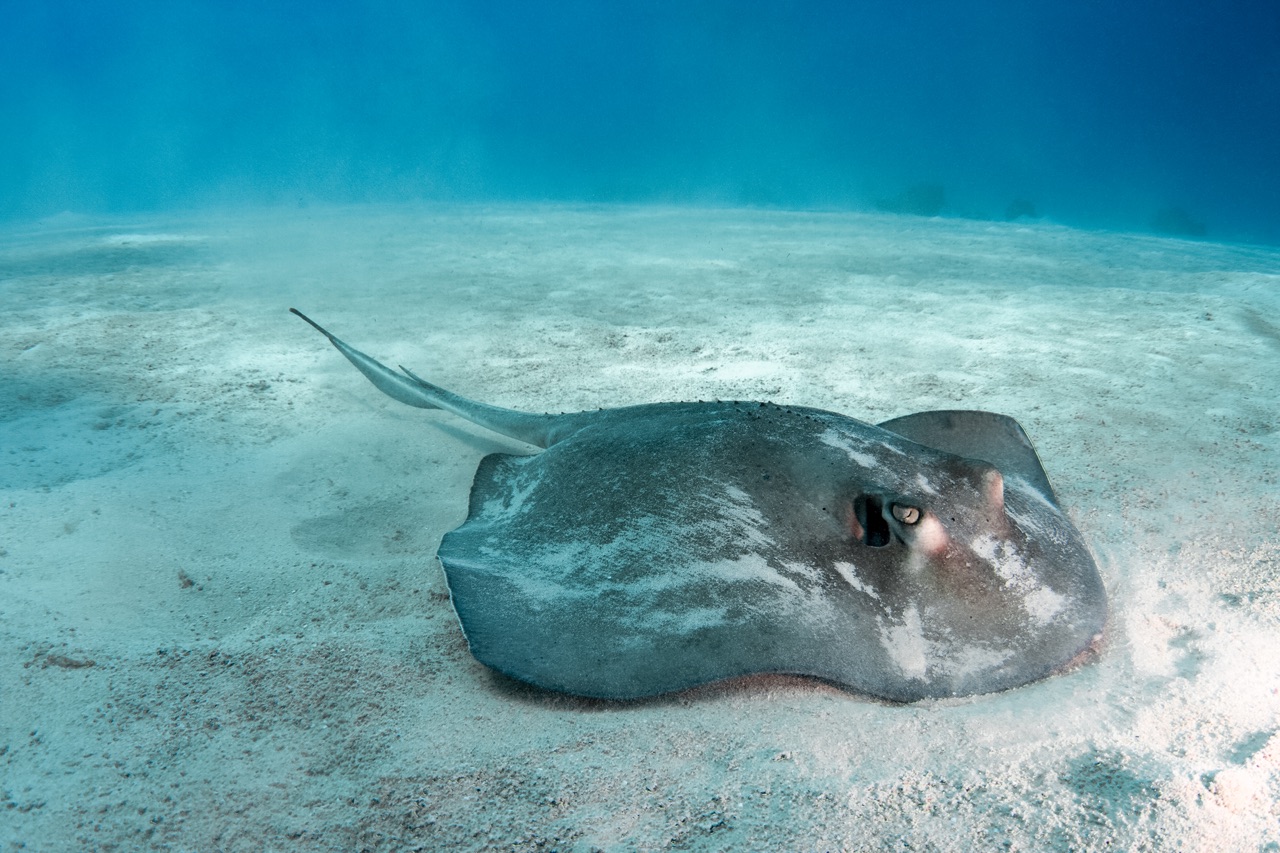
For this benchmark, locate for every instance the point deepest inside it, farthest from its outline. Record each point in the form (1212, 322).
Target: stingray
(653, 548)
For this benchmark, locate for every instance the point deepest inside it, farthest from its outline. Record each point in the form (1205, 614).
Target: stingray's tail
(409, 389)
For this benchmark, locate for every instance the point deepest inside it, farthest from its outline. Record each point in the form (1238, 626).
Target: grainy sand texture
(223, 626)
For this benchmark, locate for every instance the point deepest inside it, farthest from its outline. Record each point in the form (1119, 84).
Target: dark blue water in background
(1138, 115)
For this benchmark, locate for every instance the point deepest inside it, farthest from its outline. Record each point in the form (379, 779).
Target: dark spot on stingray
(639, 551)
(870, 512)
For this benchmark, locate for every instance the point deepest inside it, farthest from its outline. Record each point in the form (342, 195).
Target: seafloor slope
(222, 625)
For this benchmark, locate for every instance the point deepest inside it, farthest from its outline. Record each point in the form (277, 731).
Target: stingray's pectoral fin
(993, 438)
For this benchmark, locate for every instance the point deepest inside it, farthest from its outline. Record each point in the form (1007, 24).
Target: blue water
(1138, 115)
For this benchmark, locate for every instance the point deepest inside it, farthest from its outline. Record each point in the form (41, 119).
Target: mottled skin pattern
(654, 548)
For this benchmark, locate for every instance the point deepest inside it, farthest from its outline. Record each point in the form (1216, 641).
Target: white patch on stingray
(1039, 601)
(512, 503)
(749, 569)
(1024, 487)
(848, 572)
(905, 644)
(1005, 559)
(803, 570)
(1043, 604)
(1029, 524)
(925, 486)
(744, 569)
(739, 518)
(918, 561)
(832, 438)
(973, 660)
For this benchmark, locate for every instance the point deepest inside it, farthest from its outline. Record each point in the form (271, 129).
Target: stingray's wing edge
(988, 436)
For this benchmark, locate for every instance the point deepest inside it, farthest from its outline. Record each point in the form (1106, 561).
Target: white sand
(201, 497)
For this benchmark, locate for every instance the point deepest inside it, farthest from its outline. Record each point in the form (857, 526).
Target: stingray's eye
(905, 514)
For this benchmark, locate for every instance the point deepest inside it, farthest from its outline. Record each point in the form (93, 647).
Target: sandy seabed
(223, 627)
